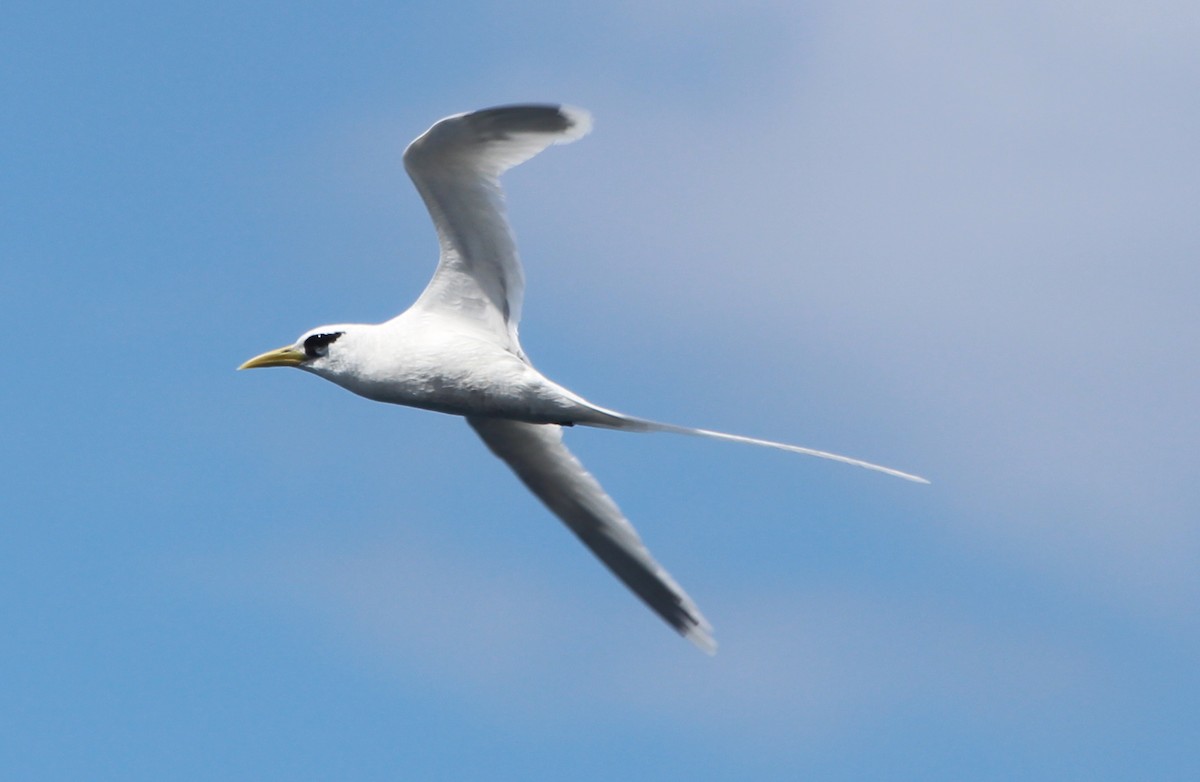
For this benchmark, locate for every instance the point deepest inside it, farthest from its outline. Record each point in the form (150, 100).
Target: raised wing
(456, 166)
(536, 453)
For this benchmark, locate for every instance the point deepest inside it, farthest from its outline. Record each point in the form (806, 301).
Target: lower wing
(536, 453)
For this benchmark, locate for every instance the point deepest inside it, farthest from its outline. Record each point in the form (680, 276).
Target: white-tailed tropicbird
(456, 349)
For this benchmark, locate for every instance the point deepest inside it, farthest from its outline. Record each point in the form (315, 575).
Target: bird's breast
(467, 381)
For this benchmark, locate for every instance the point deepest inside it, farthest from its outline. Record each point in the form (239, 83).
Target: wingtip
(703, 640)
(579, 122)
(697, 629)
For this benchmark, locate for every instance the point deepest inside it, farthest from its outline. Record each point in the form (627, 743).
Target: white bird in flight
(456, 349)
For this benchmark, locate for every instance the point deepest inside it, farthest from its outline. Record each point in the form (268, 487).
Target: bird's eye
(318, 344)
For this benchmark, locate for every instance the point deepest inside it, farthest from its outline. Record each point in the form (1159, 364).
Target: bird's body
(456, 350)
(432, 363)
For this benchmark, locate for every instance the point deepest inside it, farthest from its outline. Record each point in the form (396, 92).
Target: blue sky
(961, 241)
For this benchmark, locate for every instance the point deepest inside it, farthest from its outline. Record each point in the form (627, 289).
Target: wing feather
(536, 453)
(456, 167)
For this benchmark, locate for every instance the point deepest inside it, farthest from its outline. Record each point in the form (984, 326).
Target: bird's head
(322, 350)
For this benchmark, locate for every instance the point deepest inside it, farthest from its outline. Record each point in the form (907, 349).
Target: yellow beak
(283, 357)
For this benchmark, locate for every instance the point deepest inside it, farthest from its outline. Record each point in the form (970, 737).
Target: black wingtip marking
(498, 121)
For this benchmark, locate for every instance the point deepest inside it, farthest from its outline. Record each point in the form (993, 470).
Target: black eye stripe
(318, 344)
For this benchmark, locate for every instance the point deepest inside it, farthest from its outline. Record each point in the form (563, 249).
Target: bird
(456, 349)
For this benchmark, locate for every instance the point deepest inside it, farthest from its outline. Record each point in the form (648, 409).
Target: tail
(607, 419)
